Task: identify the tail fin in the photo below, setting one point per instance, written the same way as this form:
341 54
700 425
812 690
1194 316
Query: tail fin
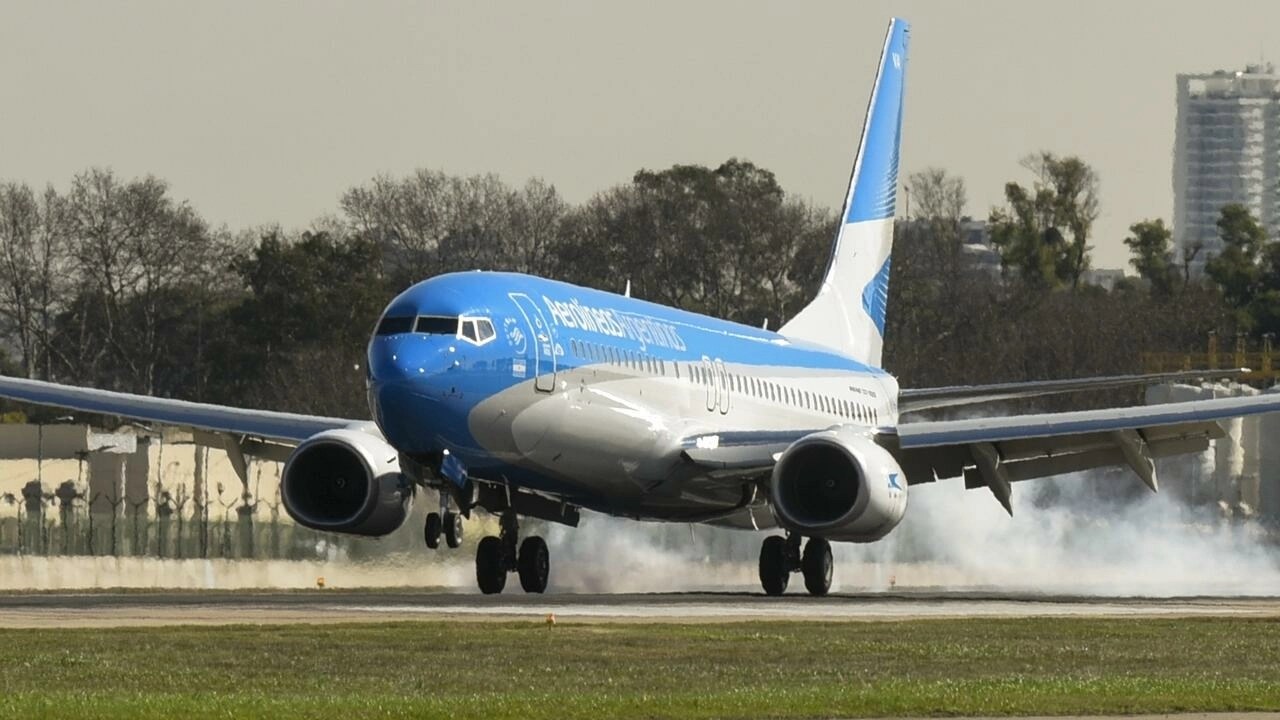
848 313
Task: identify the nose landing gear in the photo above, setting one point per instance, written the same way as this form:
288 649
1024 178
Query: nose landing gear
446 523
781 556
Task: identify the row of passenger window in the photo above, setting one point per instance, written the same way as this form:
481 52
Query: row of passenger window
742 384
592 352
779 393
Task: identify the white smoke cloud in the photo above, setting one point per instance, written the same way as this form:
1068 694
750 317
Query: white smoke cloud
1084 534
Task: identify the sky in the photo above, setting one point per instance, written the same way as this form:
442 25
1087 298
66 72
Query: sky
265 112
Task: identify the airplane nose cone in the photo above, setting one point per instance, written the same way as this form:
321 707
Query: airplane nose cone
405 386
384 359
404 357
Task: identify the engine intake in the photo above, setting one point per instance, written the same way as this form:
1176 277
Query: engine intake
840 485
346 481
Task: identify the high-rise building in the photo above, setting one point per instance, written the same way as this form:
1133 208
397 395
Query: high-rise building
1226 150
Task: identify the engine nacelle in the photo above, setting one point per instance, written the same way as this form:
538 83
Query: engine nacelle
840 485
346 481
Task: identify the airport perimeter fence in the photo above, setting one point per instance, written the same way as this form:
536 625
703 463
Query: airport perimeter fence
63 524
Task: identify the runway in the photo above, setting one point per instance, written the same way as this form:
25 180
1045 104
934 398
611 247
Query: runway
104 609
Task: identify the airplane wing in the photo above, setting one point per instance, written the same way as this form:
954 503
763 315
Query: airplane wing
996 452
288 428
917 399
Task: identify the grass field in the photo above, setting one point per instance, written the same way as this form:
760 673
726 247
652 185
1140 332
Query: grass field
528 670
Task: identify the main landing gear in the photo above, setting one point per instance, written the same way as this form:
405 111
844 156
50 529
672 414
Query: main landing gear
781 556
497 556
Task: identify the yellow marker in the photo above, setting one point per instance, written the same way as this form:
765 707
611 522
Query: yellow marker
320 581
551 619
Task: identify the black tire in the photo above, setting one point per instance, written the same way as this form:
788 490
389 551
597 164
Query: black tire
452 529
774 573
817 566
431 533
534 564
491 574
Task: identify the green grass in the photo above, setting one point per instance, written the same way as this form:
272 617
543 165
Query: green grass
527 670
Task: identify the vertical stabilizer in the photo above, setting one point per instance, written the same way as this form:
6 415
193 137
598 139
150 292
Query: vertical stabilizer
848 313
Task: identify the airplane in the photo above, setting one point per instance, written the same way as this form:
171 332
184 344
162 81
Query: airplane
528 397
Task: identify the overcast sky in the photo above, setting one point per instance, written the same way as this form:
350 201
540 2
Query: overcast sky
266 111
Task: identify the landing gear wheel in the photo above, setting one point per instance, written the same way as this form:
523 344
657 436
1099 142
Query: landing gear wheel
534 564
491 572
774 572
432 531
452 529
817 566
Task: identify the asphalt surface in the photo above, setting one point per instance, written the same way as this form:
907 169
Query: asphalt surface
107 609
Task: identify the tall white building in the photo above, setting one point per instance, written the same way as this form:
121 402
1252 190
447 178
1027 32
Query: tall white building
1226 150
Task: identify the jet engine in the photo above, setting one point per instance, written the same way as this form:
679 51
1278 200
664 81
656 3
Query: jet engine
346 481
840 485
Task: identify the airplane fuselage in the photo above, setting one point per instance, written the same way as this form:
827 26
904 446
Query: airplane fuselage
592 396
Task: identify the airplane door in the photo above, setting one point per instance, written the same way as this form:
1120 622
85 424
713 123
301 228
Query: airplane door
709 379
541 350
722 386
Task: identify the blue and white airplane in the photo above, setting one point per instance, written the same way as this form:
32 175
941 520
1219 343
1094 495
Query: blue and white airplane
528 397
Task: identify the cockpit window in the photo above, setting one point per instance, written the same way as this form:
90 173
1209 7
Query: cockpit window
435 325
476 331
395 325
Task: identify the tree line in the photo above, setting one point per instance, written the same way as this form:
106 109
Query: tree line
113 282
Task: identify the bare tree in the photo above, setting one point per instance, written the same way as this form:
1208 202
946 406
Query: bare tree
429 223
134 247
34 264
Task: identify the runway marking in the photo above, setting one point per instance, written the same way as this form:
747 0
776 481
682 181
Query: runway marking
108 610
809 610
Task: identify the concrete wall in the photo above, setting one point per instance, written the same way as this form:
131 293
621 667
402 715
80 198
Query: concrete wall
91 461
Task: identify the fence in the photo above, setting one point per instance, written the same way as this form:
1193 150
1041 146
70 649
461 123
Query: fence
66 522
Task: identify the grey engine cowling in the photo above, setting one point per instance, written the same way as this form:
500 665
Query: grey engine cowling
840 485
346 481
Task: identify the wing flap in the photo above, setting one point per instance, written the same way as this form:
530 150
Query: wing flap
1179 417
918 399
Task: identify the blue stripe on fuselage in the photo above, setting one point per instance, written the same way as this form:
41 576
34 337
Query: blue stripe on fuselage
488 293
